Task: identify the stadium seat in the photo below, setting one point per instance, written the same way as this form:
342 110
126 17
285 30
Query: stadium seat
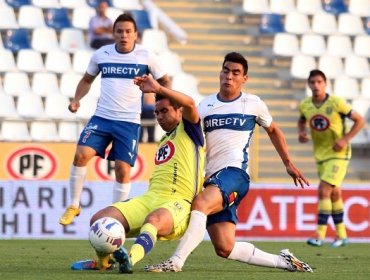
310 7
8 18
7 61
69 131
15 131
285 44
332 66
44 39
127 5
56 107
81 17
271 24
7 109
73 4
313 44
359 7
255 7
365 88
58 61
30 17
350 25
188 84
16 39
361 105
301 66
346 87
45 83
44 131
324 23
69 82
367 25
81 60
46 4
297 23
277 7
112 13
95 3
29 60
72 40
343 41
16 83
57 18
87 107
155 40
362 45
335 7
171 62
17 3
95 87
30 106
356 66
142 19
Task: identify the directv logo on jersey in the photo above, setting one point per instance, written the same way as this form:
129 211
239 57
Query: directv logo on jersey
238 122
122 70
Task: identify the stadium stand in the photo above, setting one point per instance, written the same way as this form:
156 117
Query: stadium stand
335 6
57 18
15 131
276 7
46 4
71 40
44 131
8 19
8 110
16 83
30 17
29 60
44 83
7 61
16 39
271 24
324 23
311 7
44 39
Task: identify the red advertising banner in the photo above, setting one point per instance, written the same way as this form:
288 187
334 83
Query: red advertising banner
288 213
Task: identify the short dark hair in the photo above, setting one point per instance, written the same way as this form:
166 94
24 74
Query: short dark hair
316 72
237 58
125 17
174 104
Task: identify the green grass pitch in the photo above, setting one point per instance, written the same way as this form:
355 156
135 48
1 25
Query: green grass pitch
51 259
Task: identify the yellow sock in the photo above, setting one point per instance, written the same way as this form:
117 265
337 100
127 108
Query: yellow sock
337 214
144 242
325 209
103 260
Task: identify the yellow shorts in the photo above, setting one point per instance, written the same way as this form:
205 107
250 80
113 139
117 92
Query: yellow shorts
333 171
138 208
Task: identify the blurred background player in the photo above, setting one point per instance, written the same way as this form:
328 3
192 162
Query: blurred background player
148 115
100 30
325 115
117 116
163 211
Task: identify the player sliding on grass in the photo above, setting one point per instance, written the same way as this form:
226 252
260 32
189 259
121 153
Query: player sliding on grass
229 118
163 211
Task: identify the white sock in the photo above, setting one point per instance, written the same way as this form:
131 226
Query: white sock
76 183
192 237
121 191
248 253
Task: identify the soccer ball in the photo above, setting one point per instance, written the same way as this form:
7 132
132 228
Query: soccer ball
106 235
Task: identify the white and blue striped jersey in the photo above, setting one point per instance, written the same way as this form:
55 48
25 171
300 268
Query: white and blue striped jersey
228 127
120 99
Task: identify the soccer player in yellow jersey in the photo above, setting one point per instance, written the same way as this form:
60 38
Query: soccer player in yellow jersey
163 212
325 115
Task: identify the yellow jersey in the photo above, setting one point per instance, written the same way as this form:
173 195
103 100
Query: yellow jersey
327 124
179 162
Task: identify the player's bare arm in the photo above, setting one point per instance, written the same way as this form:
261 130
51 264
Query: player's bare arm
302 133
82 89
165 81
278 140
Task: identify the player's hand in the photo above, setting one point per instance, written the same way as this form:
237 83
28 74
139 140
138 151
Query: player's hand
303 137
340 144
73 106
147 84
297 176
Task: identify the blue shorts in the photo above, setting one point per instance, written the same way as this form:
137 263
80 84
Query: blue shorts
99 133
234 185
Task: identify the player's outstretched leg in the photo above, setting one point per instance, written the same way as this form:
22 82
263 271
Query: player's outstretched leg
124 260
294 264
69 214
165 266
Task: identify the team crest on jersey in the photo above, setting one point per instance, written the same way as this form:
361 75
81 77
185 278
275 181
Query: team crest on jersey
329 110
164 153
319 122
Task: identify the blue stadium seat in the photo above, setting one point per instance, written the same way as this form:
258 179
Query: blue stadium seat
57 18
142 19
18 3
335 7
271 24
16 39
95 3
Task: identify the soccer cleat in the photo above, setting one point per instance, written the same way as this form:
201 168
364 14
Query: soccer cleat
315 242
85 265
293 263
124 260
165 266
339 242
69 215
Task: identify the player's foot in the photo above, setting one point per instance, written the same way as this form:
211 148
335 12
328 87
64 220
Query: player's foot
339 242
165 266
315 242
124 260
85 265
293 263
69 215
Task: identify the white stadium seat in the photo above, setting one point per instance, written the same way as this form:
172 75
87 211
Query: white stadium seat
56 107
16 83
72 4
362 45
297 23
15 131
44 39
324 23
7 61
81 60
309 7
332 66
71 40
365 88
255 7
350 24
127 5
44 131
7 109
81 17
45 83
29 60
333 43
356 66
346 87
155 40
277 7
359 7
8 18
313 44
58 61
285 44
69 131
69 82
301 66
30 106
30 17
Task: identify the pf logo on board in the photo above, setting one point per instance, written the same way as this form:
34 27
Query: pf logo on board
31 163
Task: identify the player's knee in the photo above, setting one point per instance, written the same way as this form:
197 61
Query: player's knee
222 252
